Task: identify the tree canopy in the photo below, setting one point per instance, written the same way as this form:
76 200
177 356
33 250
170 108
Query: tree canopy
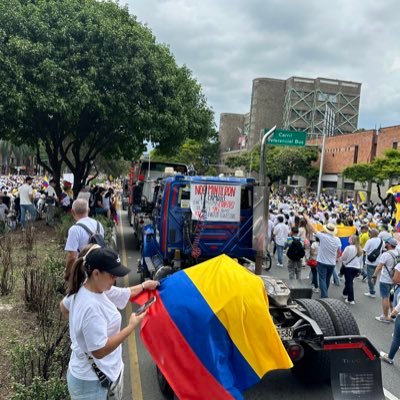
83 78
281 161
201 155
377 171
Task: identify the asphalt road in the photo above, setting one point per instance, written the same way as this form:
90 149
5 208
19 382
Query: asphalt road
140 377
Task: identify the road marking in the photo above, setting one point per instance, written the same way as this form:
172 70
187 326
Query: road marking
389 395
136 384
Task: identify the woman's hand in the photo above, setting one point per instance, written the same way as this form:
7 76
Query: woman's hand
136 320
150 285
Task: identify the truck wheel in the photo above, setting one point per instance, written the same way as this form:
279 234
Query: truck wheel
166 390
314 367
341 316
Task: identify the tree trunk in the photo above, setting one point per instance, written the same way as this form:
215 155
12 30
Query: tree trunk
383 200
369 191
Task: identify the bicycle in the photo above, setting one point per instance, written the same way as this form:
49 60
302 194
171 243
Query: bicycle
267 262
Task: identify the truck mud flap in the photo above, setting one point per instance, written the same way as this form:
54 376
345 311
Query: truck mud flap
355 368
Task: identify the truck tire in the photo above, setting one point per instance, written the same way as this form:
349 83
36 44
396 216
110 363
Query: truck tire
314 367
163 384
341 316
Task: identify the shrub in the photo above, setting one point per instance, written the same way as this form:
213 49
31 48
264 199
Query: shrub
7 270
40 389
66 220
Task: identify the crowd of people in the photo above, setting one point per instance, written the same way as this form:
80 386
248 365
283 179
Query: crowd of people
25 199
370 249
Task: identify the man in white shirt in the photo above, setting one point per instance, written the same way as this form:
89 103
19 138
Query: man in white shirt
26 201
387 262
78 237
372 244
328 254
280 232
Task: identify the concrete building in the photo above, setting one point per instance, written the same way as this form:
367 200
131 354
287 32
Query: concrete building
295 104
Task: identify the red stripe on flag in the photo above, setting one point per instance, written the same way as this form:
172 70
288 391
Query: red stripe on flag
179 364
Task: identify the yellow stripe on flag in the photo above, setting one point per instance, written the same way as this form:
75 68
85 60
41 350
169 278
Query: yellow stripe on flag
239 300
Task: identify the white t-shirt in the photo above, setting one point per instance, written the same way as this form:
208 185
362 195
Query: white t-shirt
370 246
384 235
24 191
388 258
281 232
78 238
350 258
51 193
93 319
328 248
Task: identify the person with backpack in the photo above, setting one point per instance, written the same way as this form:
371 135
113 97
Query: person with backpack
386 267
86 230
295 253
373 249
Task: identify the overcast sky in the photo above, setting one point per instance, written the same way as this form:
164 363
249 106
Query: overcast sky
228 43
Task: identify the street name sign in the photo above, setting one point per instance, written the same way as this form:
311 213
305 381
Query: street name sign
288 138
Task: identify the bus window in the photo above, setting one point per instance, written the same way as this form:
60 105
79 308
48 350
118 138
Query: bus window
246 198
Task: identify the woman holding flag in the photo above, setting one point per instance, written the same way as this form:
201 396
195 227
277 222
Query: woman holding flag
91 306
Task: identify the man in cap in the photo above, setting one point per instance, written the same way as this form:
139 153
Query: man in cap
328 254
387 262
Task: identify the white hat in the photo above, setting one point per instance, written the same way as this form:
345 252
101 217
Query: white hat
331 229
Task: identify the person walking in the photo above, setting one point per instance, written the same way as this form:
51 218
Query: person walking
312 263
364 237
26 201
386 264
394 315
91 307
78 236
295 253
373 249
352 262
328 254
51 201
280 232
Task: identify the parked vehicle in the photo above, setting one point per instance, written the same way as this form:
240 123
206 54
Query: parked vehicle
195 218
323 341
143 184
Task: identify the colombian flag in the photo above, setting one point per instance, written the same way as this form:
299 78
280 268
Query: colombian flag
395 191
45 182
210 331
343 233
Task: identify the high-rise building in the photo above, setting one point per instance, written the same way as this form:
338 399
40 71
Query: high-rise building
296 104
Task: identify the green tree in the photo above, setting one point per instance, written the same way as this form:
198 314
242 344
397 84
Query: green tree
83 78
199 154
281 161
377 171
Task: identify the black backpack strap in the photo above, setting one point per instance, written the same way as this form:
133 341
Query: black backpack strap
85 228
98 227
